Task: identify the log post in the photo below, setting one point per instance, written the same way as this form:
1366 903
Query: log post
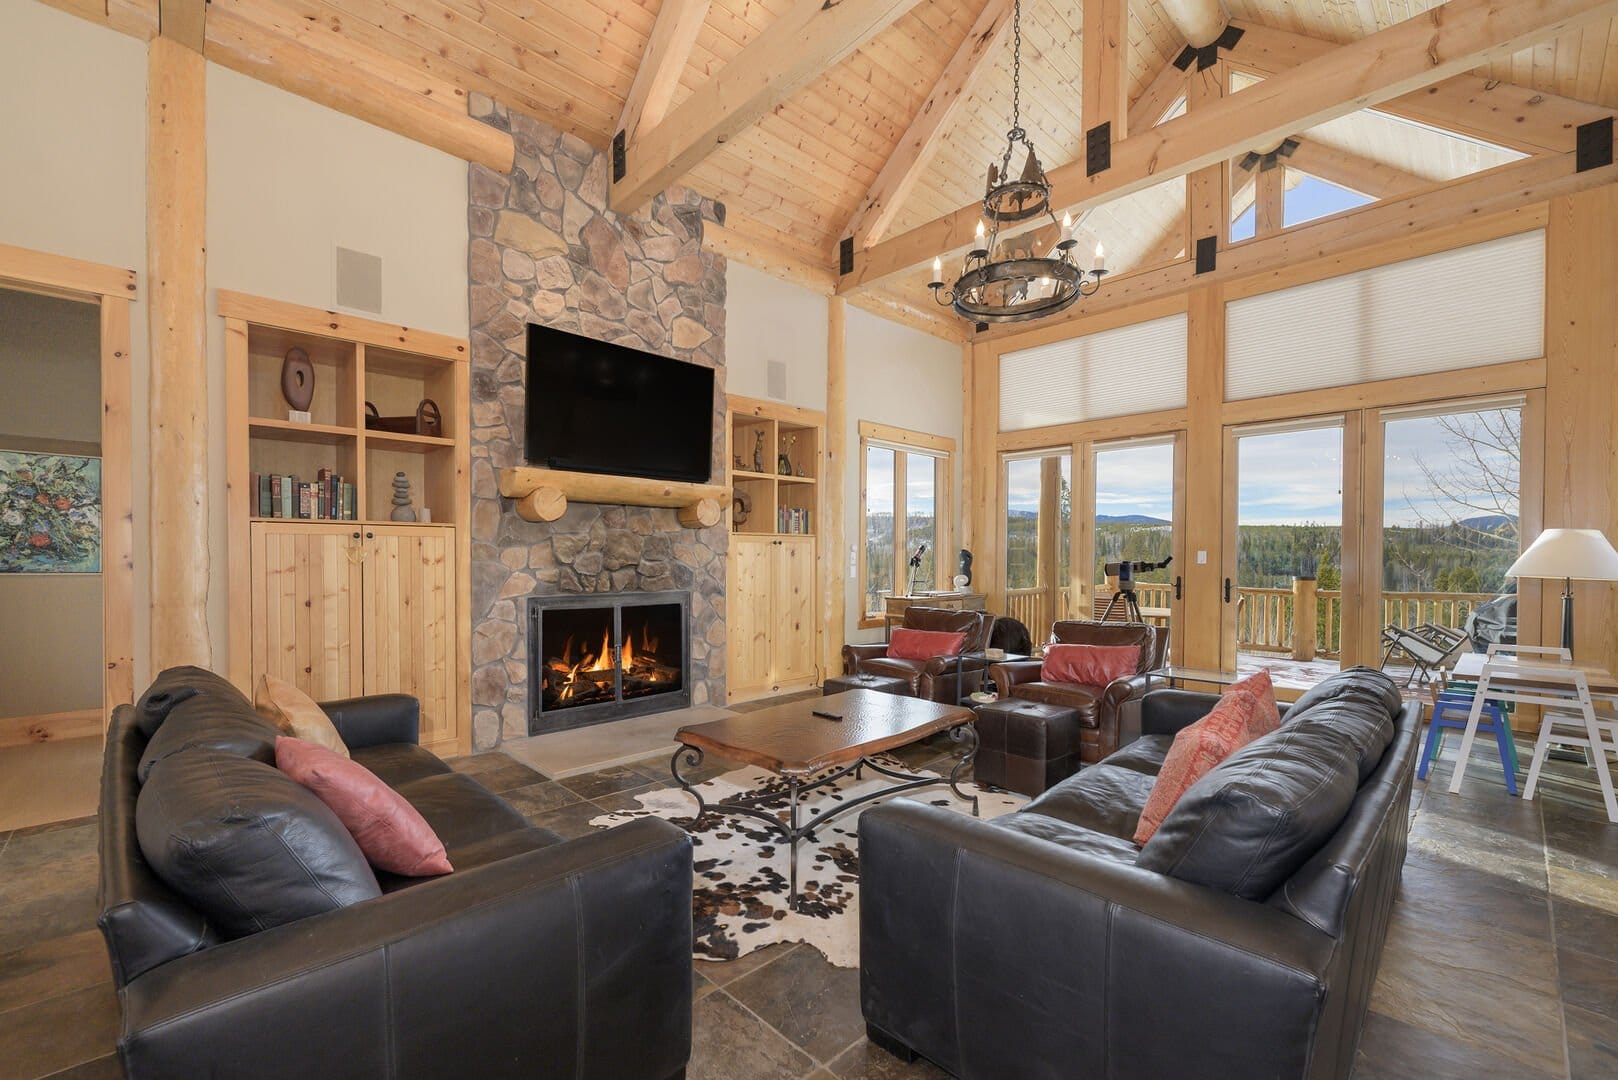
1305 618
176 190
833 558
542 504
702 514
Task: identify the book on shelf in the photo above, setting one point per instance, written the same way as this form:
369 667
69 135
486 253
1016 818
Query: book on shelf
328 497
792 520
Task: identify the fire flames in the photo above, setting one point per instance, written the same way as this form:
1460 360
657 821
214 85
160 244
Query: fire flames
646 666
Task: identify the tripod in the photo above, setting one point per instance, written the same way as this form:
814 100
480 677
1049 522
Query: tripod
1131 605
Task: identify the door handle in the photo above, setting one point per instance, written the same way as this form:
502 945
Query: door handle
1227 590
1177 583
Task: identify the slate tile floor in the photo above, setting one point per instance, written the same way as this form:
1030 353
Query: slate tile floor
1502 955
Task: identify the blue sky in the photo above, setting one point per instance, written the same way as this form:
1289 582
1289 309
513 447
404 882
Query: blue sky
1291 477
1312 198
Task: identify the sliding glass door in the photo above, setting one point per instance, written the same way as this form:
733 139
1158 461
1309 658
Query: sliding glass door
1133 519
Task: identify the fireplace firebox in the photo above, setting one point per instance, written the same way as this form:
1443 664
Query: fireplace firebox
604 656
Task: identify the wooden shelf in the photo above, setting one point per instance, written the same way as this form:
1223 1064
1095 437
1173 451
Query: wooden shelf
364 522
416 444
325 434
795 479
543 494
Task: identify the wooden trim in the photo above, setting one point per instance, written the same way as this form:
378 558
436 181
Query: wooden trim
767 257
938 322
1113 427
84 280
1446 40
834 490
341 76
238 525
775 410
1531 513
50 727
1202 618
1517 117
1356 568
1407 390
916 147
176 195
661 65
898 436
117 508
335 324
807 39
28 444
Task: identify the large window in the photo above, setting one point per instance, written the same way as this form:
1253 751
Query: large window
904 514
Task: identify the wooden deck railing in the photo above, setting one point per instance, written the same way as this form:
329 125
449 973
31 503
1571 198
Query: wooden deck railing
1266 619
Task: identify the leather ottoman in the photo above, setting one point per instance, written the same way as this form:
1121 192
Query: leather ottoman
882 684
1026 746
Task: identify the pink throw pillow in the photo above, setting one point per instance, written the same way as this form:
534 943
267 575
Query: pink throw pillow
1196 750
1267 715
392 833
910 644
1089 665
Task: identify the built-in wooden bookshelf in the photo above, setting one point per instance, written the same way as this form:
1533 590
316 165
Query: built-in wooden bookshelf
363 604
769 431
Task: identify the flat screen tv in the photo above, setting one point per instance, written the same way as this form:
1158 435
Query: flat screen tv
603 408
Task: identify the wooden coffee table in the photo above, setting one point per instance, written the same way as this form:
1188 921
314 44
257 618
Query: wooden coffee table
798 745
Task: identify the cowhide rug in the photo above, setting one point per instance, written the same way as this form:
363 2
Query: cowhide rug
741 883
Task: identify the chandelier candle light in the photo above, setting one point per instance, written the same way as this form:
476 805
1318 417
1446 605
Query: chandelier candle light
1011 284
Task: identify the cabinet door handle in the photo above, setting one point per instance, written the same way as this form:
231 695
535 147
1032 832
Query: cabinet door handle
370 536
1227 590
1177 594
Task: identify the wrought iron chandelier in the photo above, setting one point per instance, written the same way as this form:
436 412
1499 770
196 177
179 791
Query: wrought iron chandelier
1009 283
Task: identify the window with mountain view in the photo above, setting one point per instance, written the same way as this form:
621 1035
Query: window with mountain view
1039 514
903 492
1134 521
1450 527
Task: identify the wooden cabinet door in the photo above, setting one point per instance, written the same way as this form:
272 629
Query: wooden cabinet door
306 614
793 611
409 601
748 613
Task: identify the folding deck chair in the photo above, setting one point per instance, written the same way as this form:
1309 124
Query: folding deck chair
1430 649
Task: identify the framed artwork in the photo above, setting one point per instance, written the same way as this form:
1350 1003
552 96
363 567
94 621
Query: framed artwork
50 513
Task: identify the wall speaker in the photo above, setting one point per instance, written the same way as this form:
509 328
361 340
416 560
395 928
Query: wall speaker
778 379
359 281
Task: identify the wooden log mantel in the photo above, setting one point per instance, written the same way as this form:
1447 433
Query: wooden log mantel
542 494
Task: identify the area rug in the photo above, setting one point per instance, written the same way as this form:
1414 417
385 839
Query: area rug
741 884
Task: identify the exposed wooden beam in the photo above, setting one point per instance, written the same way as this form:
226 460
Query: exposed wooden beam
1200 22
176 199
1516 117
184 22
1104 73
769 256
1207 190
343 75
1501 191
1443 41
661 65
915 148
807 39
924 315
1377 179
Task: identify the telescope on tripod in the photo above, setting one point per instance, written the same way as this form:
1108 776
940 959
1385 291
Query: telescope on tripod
1125 571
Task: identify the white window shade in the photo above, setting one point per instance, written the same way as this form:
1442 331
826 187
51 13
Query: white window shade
1133 369
1470 307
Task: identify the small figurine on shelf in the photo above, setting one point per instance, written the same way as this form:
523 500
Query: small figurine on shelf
401 499
298 384
758 451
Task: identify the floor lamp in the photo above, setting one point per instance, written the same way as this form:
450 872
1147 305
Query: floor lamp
1571 555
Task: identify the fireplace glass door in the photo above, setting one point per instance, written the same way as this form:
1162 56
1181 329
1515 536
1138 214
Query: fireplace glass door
607 656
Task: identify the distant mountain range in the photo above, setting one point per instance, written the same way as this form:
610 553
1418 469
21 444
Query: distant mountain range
1488 522
1129 519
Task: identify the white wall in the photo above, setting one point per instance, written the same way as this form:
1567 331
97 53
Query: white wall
73 183
908 379
288 182
769 319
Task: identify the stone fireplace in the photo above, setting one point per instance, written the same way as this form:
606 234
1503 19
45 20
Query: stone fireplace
604 656
544 248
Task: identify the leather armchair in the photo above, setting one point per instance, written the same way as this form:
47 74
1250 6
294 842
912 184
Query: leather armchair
1105 712
939 678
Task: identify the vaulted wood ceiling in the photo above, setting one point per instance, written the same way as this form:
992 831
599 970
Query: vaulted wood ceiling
798 175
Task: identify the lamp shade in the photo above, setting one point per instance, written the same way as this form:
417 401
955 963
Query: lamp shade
1580 554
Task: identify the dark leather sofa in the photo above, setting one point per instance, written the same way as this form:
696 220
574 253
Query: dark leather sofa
537 956
1045 943
941 678
1101 709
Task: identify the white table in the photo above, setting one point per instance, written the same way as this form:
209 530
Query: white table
1545 677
